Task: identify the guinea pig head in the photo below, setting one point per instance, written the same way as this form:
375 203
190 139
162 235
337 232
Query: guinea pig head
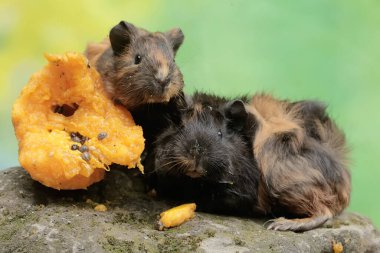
144 65
206 145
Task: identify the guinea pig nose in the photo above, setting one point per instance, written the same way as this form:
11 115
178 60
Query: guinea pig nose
163 81
162 75
196 149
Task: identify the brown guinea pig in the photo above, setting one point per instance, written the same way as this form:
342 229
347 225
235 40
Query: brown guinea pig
302 156
139 71
137 66
205 159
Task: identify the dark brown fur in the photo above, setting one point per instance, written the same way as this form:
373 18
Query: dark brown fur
302 156
150 88
156 79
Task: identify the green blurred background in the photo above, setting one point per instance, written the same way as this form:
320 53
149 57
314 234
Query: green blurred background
326 50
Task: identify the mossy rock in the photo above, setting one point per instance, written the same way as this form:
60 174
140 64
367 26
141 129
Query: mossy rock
34 218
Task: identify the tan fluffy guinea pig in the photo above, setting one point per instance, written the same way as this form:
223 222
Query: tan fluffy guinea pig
302 156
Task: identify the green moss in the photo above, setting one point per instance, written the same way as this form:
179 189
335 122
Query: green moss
355 220
142 248
154 237
336 223
210 233
179 244
129 218
94 223
114 245
12 225
239 242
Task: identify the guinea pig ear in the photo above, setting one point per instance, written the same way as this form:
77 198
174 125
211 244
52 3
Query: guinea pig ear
236 114
175 37
121 36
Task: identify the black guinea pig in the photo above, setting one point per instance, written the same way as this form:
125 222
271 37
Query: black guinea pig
139 71
205 160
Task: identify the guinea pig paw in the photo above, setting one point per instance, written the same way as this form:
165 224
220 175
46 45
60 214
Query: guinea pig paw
282 224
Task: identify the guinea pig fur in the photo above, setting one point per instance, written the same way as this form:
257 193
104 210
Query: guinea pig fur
302 157
139 71
137 66
205 160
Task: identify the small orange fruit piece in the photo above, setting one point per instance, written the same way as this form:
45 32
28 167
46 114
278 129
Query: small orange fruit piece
337 247
100 208
176 216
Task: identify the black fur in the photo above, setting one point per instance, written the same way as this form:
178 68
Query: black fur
154 118
203 160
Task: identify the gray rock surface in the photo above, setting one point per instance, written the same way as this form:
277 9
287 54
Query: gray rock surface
34 218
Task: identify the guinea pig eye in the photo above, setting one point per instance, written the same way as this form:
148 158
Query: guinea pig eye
220 134
138 59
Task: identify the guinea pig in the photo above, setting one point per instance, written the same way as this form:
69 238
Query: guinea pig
205 160
302 157
139 71
138 66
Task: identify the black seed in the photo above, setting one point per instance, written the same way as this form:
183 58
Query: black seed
72 135
102 135
86 156
83 140
76 139
74 147
83 148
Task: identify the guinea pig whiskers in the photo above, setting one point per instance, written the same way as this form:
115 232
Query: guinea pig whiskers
177 162
172 163
184 165
226 182
132 91
180 169
134 88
